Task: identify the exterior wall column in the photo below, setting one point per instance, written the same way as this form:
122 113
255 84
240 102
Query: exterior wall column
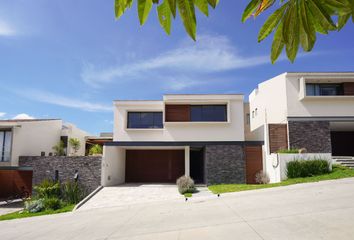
187 161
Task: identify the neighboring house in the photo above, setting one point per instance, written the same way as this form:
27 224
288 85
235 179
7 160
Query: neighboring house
306 110
100 140
34 137
202 136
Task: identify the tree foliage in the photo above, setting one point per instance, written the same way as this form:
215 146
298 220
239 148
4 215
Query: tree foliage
75 144
295 23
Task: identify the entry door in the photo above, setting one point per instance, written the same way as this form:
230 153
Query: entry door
254 162
5 145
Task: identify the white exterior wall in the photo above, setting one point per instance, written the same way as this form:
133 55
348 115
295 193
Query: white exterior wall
74 132
32 137
270 101
233 130
113 166
276 163
300 106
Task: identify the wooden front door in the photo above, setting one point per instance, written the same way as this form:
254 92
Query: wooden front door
254 162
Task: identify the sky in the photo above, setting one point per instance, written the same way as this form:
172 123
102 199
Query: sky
70 59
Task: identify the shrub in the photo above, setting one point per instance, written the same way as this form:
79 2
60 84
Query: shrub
75 144
52 203
34 206
262 177
48 189
292 150
59 149
72 193
302 168
185 185
95 149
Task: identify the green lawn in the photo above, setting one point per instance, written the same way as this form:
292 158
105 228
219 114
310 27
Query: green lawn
188 195
337 173
15 215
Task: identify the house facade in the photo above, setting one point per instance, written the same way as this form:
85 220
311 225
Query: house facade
314 111
35 137
202 136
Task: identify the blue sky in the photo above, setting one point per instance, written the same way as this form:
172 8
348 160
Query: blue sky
69 59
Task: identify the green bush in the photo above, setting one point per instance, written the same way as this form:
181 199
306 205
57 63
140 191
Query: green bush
52 203
72 193
292 150
185 185
34 206
96 149
48 189
302 168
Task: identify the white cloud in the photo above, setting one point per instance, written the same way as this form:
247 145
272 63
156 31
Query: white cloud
23 116
210 54
2 114
47 97
6 29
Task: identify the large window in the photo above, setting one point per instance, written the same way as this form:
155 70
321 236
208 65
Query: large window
208 113
324 89
145 120
5 145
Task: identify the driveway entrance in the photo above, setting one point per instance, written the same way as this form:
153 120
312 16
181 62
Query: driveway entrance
132 194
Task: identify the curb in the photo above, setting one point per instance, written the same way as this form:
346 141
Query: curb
83 201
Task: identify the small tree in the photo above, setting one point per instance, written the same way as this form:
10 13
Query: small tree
96 149
75 144
59 149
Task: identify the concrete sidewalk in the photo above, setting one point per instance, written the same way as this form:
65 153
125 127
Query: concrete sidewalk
306 211
14 206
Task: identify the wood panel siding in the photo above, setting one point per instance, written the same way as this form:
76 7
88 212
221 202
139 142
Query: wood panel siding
15 183
154 165
278 137
348 88
254 162
177 113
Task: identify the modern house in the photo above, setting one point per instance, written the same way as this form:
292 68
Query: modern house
202 136
314 111
35 137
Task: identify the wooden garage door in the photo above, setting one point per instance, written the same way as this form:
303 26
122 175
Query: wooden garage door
254 162
154 165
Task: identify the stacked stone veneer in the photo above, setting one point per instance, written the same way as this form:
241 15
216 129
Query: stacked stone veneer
225 164
89 169
315 136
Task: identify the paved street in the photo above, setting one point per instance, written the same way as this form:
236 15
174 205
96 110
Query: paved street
307 211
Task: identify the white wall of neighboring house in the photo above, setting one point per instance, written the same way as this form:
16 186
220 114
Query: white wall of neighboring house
71 131
233 130
30 138
113 166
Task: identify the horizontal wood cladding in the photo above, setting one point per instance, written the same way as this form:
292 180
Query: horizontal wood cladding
177 113
278 137
348 88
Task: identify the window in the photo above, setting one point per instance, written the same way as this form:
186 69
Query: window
248 119
324 89
208 113
145 120
5 145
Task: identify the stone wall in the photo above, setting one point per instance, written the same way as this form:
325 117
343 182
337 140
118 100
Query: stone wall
315 136
89 169
224 164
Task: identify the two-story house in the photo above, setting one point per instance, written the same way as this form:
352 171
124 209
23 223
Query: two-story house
202 136
314 111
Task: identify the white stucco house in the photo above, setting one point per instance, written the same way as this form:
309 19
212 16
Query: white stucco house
35 137
202 136
313 110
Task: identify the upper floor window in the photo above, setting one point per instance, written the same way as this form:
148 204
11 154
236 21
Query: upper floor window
248 119
321 89
5 145
145 120
208 113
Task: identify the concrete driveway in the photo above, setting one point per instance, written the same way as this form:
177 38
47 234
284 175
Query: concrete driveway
131 194
308 211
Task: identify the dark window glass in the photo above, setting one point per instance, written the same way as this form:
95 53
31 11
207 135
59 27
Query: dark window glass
208 113
5 146
324 89
145 120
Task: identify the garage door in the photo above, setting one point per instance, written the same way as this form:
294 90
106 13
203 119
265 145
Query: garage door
254 162
154 165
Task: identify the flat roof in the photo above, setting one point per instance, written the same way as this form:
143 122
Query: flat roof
29 120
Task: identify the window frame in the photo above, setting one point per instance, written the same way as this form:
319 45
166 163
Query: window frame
318 88
225 117
154 126
3 145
